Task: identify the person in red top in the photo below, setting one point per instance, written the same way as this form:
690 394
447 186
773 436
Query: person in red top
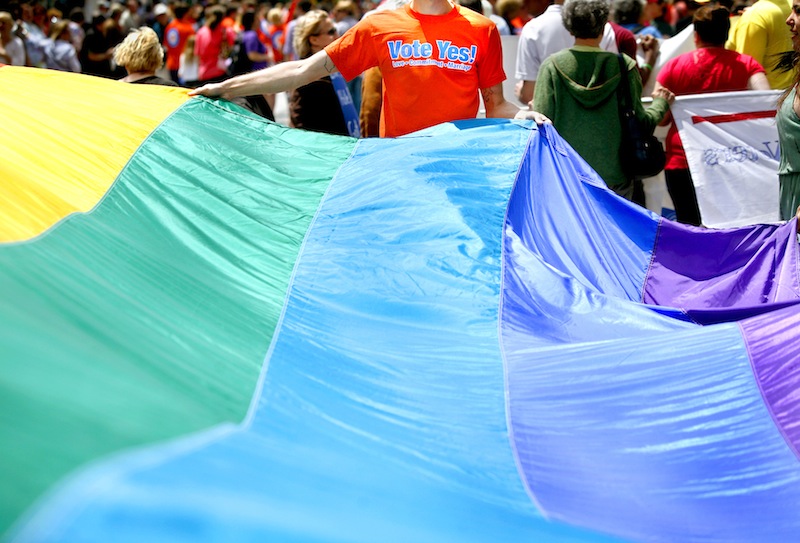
213 44
434 57
709 68
175 35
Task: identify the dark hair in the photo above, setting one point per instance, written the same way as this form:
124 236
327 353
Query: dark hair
214 16
180 10
585 19
14 9
627 12
248 18
712 24
474 5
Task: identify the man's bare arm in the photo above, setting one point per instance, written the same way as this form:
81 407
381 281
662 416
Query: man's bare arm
758 82
498 106
279 78
524 91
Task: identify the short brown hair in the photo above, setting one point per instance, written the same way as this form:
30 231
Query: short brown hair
712 24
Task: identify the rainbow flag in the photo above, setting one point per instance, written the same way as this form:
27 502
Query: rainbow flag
215 328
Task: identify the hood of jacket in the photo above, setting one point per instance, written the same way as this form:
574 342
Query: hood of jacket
591 77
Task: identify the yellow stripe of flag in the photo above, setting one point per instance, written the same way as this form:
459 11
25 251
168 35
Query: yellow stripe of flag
63 158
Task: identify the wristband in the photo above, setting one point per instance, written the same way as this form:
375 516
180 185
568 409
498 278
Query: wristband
647 66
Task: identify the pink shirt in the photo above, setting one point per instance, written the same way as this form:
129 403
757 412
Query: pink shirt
208 47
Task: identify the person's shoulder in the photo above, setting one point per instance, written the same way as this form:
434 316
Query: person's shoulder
675 65
386 5
682 58
383 18
564 53
528 27
608 61
550 64
771 6
752 64
621 32
155 80
531 28
550 15
559 57
730 54
758 13
475 18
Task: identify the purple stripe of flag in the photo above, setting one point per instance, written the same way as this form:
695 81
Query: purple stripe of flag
774 348
723 270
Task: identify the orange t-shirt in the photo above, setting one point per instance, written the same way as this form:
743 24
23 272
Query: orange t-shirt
432 65
175 36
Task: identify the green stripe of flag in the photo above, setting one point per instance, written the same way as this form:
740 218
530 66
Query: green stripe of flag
150 317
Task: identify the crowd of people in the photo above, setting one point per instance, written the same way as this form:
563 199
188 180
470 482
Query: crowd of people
388 68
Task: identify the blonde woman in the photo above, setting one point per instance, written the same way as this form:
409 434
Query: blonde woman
324 105
141 55
189 65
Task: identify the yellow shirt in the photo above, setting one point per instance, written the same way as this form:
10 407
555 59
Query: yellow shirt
761 32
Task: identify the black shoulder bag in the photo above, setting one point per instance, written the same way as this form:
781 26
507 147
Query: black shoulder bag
641 154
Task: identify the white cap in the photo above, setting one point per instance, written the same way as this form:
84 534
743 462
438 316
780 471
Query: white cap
160 9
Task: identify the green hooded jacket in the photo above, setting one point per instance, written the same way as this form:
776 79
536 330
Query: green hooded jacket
577 89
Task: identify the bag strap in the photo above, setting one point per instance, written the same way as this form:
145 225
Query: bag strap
623 89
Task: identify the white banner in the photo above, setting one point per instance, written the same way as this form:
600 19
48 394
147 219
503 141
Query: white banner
731 143
683 42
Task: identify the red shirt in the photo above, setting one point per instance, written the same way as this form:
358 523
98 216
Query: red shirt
432 65
626 41
710 69
208 46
